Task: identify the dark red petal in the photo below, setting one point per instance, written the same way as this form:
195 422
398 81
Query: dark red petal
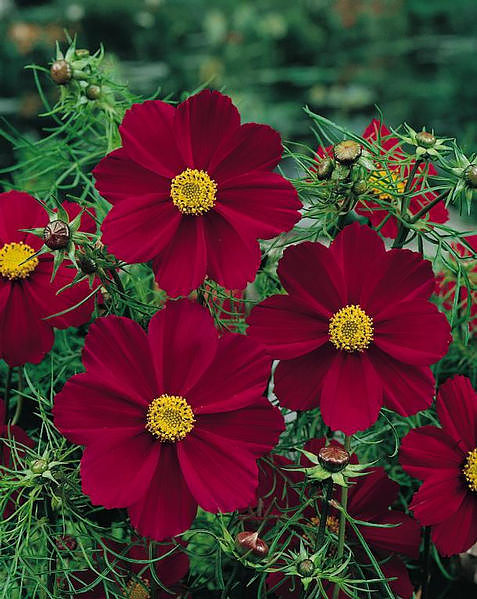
251 147
25 337
375 214
396 568
257 426
439 497
118 474
352 393
87 222
402 537
86 410
298 382
221 474
407 389
457 411
459 532
182 265
236 378
149 139
401 275
287 328
260 204
428 450
310 272
169 569
232 258
18 210
165 509
371 495
140 228
120 178
203 123
286 587
413 332
117 352
358 250
376 131
183 343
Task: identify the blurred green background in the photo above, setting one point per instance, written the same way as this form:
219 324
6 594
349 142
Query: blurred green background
415 59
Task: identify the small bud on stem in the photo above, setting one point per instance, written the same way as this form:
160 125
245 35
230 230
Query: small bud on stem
324 169
471 175
61 72
56 235
347 151
93 92
425 139
333 458
248 541
306 567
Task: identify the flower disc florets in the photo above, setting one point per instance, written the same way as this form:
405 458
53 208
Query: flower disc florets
169 418
351 329
12 260
193 191
138 589
470 470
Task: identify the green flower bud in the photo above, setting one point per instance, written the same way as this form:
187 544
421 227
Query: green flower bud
93 92
347 151
39 466
425 139
306 567
471 175
324 169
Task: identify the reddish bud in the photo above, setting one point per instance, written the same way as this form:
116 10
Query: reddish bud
66 543
61 72
425 139
333 458
248 541
347 151
56 235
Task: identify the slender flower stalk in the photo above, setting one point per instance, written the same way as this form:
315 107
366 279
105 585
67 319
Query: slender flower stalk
342 529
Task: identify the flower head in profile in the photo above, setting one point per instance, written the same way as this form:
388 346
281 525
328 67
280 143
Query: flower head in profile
170 419
445 459
370 500
389 179
131 571
193 190
355 331
27 294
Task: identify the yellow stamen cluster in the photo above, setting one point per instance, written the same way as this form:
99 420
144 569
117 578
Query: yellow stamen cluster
470 470
138 589
193 191
351 329
332 523
386 184
169 418
11 257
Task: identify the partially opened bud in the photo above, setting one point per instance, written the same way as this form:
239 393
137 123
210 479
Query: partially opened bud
333 458
56 235
324 169
248 541
471 175
425 139
61 72
347 151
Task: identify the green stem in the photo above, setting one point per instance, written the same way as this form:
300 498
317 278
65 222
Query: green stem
429 206
328 492
6 395
403 230
120 286
427 561
18 410
342 530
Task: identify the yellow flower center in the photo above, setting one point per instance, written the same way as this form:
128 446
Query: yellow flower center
470 470
351 329
386 184
193 191
138 590
332 523
11 257
169 418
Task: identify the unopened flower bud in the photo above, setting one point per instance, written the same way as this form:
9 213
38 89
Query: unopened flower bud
471 175
81 53
93 92
66 543
425 139
324 169
56 235
39 466
306 567
333 458
250 542
360 187
347 151
61 72
86 264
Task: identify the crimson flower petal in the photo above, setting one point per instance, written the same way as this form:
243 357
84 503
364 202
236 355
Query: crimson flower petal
459 532
403 536
438 498
18 210
457 411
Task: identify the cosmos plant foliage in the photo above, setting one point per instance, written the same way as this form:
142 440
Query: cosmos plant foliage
231 366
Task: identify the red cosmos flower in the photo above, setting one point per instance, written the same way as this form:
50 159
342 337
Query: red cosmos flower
192 190
369 500
170 419
134 579
395 180
446 460
27 295
355 331
446 283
